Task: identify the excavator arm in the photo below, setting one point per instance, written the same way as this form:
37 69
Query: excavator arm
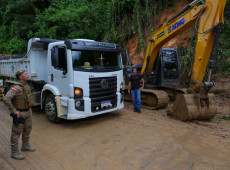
210 24
207 17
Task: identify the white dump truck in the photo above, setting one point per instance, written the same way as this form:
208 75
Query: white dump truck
70 79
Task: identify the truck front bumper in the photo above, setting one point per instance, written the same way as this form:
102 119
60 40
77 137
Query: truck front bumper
75 114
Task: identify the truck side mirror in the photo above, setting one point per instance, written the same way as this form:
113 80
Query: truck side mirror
64 65
124 59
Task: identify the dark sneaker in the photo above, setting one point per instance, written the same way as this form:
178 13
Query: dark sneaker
28 148
135 110
139 111
17 155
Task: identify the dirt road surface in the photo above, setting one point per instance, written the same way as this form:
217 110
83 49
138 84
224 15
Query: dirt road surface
122 140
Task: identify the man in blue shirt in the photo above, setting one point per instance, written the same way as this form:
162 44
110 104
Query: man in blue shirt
135 87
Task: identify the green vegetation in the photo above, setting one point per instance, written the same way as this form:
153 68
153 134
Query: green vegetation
225 117
223 57
187 60
102 20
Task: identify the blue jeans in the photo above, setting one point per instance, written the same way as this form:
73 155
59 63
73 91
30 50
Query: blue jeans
136 98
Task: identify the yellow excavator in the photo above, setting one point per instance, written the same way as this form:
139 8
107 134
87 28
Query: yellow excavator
207 17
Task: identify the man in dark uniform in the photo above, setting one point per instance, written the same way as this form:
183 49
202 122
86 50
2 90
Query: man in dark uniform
19 101
134 86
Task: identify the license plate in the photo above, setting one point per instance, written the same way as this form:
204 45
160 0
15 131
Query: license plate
105 104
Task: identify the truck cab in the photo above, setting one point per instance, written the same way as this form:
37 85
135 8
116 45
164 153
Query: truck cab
85 77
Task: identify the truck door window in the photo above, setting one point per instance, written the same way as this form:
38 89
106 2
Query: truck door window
59 59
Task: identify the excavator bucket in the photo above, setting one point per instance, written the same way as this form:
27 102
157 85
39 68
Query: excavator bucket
193 107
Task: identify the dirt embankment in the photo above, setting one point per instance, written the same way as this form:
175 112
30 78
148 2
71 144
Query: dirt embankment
137 55
7 55
222 84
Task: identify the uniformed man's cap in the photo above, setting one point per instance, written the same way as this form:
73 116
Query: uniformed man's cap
19 72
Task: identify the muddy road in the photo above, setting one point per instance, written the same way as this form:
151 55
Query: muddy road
122 140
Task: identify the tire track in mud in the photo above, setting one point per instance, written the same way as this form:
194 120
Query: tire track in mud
120 140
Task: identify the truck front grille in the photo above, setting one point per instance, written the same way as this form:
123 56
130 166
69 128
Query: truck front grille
103 89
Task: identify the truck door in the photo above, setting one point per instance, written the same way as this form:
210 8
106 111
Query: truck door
58 74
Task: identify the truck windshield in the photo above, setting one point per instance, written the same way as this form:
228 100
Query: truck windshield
98 61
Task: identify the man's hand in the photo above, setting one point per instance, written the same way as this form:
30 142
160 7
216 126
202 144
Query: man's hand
128 91
141 88
17 113
30 111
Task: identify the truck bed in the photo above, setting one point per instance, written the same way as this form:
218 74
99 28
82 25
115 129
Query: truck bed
9 65
34 61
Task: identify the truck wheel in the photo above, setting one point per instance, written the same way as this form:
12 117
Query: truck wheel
51 109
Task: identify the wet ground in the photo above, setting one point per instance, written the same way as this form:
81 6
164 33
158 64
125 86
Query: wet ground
123 140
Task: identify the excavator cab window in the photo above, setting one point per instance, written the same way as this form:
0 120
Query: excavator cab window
169 67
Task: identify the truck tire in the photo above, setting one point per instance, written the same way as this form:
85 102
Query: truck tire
51 109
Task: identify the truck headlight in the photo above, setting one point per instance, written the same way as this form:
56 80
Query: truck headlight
78 103
78 92
121 86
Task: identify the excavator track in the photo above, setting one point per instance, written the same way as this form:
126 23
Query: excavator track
151 99
173 91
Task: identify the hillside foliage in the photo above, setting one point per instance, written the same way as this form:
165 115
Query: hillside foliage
102 20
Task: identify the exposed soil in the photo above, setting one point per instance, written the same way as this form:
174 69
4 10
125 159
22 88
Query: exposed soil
137 54
124 140
7 55
127 140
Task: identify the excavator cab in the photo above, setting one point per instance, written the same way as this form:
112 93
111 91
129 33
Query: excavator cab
168 74
165 73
